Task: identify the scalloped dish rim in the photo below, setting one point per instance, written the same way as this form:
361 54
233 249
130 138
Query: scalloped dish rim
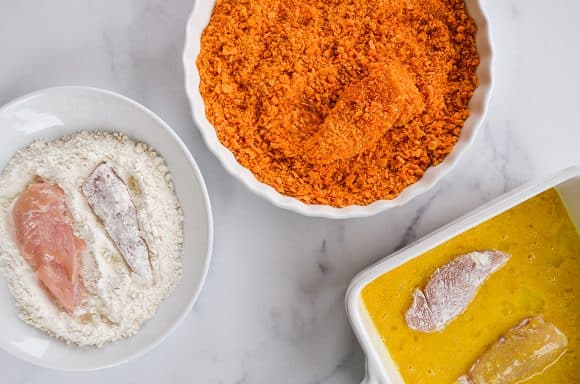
198 20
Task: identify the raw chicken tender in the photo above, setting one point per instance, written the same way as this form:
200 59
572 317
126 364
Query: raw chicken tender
525 351
450 290
109 198
44 236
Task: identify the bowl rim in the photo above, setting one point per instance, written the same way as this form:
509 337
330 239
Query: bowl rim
485 74
208 211
376 372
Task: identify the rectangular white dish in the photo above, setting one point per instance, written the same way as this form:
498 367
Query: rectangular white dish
380 367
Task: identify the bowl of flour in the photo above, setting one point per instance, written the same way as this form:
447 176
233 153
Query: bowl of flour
60 135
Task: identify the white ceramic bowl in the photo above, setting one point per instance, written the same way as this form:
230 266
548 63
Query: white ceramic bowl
54 112
380 367
199 19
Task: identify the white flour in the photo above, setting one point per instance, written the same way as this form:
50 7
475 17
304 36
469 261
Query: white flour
116 300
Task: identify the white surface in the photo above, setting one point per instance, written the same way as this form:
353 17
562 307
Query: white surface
55 112
380 366
272 310
198 20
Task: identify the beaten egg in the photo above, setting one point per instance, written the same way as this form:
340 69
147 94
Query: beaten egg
542 277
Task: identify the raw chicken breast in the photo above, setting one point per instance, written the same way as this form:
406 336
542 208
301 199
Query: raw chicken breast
450 290
525 351
109 198
44 236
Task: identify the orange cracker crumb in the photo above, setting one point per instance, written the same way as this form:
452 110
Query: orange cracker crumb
338 102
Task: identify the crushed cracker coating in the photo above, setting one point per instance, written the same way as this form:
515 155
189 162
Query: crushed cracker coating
338 102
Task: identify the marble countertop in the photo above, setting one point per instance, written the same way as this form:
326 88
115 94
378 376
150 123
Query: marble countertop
272 309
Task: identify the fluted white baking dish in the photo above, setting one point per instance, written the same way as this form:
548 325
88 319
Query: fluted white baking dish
380 368
199 19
